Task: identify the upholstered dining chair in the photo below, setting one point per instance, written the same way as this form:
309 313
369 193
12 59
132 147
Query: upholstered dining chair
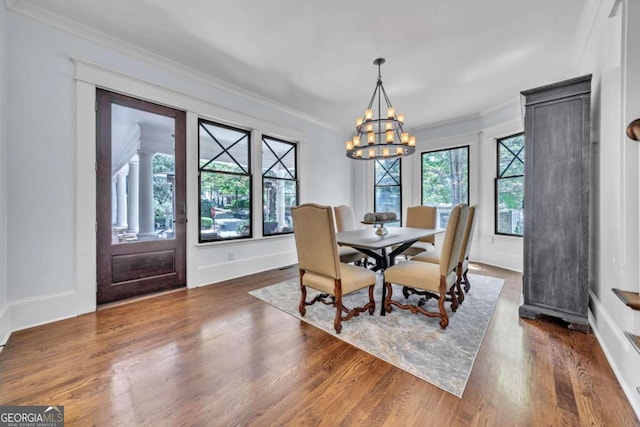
466 244
345 221
320 266
421 217
463 261
438 280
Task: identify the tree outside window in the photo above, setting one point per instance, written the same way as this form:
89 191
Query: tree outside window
224 181
445 180
510 186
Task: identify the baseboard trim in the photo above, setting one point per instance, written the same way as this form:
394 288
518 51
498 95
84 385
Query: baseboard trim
220 272
597 311
5 331
30 312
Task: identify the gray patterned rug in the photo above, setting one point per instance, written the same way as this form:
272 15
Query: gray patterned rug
412 342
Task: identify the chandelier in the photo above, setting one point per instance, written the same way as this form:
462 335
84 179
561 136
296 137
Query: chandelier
382 137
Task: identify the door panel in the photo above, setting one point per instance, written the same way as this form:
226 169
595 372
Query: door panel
141 215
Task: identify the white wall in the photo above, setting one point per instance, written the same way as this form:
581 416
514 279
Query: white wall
609 48
4 314
50 165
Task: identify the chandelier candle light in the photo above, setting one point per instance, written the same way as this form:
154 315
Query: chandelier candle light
382 137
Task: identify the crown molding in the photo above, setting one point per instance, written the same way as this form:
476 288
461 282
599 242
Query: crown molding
39 14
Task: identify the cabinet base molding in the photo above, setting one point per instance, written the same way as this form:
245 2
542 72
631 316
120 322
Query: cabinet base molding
575 322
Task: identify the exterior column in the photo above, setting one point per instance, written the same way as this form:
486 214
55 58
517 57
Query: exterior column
121 197
147 217
132 199
114 205
280 203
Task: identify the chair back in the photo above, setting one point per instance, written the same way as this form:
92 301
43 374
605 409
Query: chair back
468 233
345 218
422 217
315 236
452 245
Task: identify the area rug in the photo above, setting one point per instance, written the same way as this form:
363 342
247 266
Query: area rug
411 342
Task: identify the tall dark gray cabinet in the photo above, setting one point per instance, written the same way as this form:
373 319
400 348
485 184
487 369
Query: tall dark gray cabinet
557 186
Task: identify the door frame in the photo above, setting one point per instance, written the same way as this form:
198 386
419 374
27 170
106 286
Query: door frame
143 253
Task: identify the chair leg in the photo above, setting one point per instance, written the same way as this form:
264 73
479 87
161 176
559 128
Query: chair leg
303 296
453 297
371 300
387 299
458 282
444 318
337 322
467 285
459 290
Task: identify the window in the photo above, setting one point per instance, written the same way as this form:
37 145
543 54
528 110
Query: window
510 186
445 180
388 188
224 178
279 185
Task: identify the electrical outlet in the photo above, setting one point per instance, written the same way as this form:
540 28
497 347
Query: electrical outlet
232 256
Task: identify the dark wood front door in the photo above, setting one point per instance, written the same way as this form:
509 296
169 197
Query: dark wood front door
140 195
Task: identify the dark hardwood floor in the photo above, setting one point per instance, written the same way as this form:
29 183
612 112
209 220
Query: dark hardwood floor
216 356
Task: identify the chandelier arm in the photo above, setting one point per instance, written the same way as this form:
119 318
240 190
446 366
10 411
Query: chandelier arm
373 97
379 85
386 98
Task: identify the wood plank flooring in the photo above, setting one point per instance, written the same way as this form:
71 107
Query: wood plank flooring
216 356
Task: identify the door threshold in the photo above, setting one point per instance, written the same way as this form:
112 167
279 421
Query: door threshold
138 298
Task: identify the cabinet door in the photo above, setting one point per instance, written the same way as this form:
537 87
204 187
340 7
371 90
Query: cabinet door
557 205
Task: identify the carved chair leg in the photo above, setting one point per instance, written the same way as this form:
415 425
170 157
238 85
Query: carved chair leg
454 298
387 299
372 301
337 322
405 291
444 318
467 285
303 296
459 292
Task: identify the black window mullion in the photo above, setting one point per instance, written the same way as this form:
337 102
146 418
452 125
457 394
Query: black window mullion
278 160
504 177
515 156
244 179
292 178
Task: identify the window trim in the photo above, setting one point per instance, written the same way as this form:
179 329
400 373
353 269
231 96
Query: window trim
496 182
249 174
468 148
399 185
295 147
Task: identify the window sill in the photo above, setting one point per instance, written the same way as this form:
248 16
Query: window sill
236 242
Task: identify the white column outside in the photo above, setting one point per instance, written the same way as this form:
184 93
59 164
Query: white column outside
280 203
114 205
147 226
121 197
132 196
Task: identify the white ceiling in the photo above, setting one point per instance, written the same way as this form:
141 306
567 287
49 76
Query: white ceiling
445 59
